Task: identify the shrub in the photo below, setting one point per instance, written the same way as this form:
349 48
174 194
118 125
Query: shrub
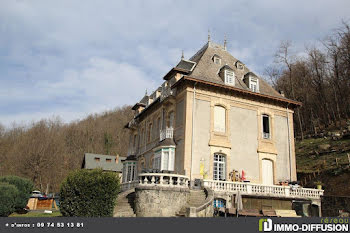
89 193
8 195
24 187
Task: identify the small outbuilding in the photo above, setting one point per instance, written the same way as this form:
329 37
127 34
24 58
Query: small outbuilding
111 163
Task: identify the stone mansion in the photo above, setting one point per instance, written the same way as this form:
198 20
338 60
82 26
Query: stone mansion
212 131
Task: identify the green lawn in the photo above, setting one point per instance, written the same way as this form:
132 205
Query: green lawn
37 214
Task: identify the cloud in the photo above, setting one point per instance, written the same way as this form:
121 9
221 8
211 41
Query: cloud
71 58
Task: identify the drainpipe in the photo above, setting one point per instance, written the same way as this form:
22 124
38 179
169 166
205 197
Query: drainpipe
289 147
193 106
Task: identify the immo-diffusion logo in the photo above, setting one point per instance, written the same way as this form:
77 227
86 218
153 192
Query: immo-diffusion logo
265 224
335 225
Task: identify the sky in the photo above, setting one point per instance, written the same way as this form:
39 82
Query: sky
72 58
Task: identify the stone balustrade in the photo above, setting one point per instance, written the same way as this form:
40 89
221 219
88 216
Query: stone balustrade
263 190
157 179
163 179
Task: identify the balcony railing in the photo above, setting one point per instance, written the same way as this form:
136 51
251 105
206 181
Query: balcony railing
263 190
166 133
157 179
163 179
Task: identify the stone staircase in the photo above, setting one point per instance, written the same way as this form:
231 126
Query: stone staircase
125 204
196 199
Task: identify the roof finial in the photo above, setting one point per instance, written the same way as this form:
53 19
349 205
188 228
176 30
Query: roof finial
208 35
146 92
225 42
182 55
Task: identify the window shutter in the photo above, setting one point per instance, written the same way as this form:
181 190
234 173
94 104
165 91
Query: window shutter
219 119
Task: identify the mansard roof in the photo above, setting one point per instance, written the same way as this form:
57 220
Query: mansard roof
207 70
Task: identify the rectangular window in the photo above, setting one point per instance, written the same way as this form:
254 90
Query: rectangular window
97 159
219 167
171 160
266 126
254 85
219 119
108 160
165 160
229 77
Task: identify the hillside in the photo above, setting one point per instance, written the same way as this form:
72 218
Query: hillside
47 150
325 159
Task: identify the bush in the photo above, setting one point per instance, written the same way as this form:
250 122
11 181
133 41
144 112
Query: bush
24 187
89 193
8 195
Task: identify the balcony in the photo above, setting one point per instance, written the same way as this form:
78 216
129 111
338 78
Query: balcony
166 133
157 179
263 190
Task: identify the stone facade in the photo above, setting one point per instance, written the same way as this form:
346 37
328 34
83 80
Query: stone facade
182 110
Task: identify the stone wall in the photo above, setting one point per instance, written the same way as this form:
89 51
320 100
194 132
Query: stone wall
160 201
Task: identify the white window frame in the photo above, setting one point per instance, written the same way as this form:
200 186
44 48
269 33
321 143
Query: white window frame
254 84
164 159
219 166
217 60
229 77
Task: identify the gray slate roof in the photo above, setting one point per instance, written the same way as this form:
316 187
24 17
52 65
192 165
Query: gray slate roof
91 163
207 70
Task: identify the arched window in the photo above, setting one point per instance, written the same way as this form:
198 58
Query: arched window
219 168
219 119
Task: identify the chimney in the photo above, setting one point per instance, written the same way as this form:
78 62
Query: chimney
282 93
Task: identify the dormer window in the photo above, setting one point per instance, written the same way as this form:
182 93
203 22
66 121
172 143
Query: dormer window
253 84
217 59
229 77
239 65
